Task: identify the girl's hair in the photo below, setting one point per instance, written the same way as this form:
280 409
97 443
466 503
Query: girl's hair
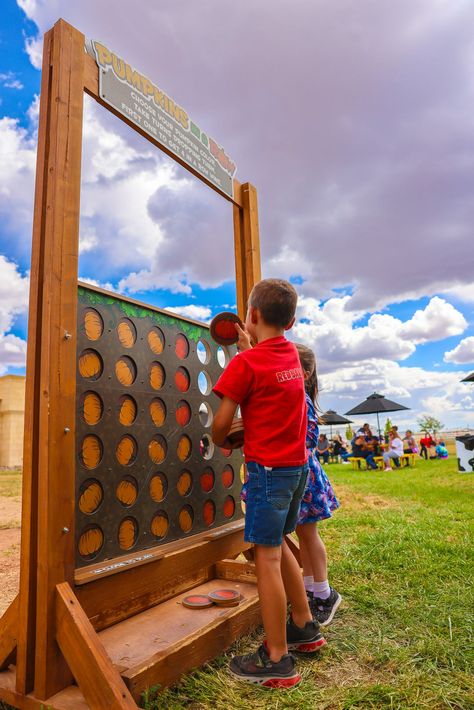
308 363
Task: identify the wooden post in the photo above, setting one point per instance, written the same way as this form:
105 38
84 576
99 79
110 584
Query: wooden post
49 435
247 246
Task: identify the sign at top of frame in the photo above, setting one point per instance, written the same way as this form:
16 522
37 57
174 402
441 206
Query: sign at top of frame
144 104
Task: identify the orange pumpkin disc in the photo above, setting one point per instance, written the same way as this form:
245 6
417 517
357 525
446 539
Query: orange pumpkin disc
127 333
93 324
158 487
209 512
125 371
181 346
126 451
156 341
157 376
185 483
92 408
207 480
184 448
185 518
157 449
91 451
183 413
223 329
229 507
127 491
181 379
128 532
157 412
127 410
159 525
227 476
90 542
90 365
91 496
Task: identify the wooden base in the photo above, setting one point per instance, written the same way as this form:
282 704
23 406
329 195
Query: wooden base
153 648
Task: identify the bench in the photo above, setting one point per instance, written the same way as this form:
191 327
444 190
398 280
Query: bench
405 459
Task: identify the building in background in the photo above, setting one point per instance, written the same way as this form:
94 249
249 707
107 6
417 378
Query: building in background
12 415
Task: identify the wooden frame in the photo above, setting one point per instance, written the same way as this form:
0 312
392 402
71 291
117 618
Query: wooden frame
57 628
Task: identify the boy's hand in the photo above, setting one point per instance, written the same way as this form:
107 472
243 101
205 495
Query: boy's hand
243 343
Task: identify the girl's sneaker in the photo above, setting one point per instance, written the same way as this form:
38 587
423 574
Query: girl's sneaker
323 610
304 640
258 668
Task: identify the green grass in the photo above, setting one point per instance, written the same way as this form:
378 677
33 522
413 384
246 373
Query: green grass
10 483
401 554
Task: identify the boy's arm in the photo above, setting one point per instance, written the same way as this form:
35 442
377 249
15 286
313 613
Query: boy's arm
223 421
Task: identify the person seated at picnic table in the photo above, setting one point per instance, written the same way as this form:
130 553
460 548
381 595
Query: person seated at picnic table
373 445
409 443
441 450
395 450
322 448
339 448
426 442
361 450
365 432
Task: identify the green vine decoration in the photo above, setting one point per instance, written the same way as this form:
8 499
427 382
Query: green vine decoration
191 330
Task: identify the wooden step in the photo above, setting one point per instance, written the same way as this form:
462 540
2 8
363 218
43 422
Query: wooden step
157 646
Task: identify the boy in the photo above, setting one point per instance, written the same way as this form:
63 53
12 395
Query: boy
267 382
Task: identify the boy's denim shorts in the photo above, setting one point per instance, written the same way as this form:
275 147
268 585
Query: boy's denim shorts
272 502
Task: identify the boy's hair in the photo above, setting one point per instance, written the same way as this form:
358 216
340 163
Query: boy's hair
276 300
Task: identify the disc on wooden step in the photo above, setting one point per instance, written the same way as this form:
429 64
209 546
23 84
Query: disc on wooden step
197 601
225 597
223 328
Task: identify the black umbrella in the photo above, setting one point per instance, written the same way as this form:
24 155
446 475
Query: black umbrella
376 404
469 378
331 417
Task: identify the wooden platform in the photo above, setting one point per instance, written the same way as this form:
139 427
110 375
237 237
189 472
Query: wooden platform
157 646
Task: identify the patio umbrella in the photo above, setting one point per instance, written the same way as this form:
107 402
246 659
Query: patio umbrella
331 417
376 404
469 378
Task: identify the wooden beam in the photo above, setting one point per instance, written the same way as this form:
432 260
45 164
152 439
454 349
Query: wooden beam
93 670
51 441
109 600
246 247
9 624
236 571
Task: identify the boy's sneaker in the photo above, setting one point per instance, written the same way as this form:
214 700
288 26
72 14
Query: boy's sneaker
323 610
258 668
304 640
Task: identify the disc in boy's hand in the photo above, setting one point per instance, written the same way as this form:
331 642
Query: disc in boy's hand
223 328
197 601
236 432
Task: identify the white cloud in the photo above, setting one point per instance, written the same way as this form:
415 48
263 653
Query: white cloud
202 313
464 293
437 321
13 302
463 353
9 81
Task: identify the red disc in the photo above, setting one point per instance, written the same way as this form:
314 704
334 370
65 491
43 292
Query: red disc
223 328
224 595
197 601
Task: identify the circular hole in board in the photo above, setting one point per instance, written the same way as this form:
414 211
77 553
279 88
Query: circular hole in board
90 365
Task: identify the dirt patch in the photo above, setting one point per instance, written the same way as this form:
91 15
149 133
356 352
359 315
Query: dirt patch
353 500
10 513
9 566
348 674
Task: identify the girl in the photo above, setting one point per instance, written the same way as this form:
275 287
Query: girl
318 502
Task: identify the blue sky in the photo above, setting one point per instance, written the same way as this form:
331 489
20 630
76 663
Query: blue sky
365 196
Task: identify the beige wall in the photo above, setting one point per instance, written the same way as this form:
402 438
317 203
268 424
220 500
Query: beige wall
12 414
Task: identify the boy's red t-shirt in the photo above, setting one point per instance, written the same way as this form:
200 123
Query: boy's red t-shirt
267 381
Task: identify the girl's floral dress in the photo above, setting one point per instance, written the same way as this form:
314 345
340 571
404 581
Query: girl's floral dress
319 499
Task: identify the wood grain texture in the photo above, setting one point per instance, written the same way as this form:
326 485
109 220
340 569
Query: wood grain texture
98 679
